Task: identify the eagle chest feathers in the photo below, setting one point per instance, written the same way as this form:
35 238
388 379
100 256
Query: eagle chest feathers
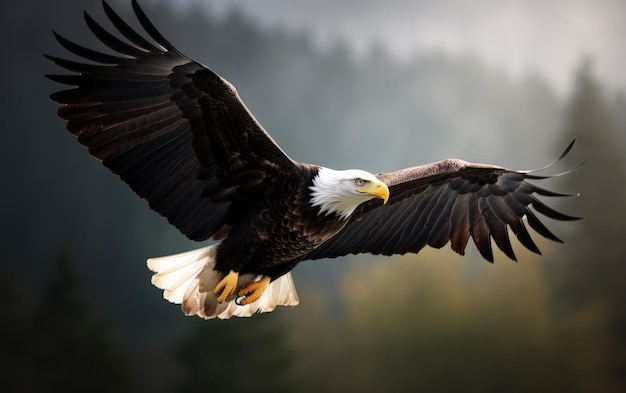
291 224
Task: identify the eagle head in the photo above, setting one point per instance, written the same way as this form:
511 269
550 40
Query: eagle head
341 192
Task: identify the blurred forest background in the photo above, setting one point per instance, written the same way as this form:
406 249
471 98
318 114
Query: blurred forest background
77 307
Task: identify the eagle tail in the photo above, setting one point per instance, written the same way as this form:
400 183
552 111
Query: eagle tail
189 279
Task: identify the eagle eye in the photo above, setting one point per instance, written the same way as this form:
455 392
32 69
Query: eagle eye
359 182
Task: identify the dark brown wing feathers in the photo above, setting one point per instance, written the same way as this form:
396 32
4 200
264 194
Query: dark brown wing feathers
448 201
180 136
176 132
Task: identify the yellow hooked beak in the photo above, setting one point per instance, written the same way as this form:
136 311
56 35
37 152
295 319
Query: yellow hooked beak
377 189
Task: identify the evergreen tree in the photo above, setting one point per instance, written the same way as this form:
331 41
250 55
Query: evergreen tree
75 350
590 278
16 335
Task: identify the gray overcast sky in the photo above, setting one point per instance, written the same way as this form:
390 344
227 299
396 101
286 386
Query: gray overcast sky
547 37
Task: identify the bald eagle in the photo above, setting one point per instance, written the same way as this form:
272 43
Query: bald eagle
179 135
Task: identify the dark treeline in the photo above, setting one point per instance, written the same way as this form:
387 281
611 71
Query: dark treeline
71 319
588 281
55 340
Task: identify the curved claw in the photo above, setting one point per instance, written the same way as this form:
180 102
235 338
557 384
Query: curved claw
227 286
253 291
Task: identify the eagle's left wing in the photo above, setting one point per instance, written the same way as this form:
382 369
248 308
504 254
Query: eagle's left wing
447 201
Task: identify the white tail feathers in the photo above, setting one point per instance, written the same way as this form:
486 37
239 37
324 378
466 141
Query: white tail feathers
189 279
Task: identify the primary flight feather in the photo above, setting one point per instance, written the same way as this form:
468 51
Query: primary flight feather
179 135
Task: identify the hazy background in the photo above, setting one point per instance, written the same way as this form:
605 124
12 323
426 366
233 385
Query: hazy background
373 85
515 36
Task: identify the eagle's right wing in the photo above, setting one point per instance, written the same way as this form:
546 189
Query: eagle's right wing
172 129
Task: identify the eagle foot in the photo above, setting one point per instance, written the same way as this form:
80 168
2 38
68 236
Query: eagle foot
227 286
253 291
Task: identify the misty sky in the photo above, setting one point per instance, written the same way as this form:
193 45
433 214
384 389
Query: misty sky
548 37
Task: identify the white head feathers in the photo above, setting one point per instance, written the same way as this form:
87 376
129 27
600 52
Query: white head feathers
341 192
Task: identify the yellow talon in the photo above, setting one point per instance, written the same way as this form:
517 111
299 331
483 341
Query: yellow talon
253 291
227 286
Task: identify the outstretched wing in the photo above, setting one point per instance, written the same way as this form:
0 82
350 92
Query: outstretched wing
447 201
172 129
